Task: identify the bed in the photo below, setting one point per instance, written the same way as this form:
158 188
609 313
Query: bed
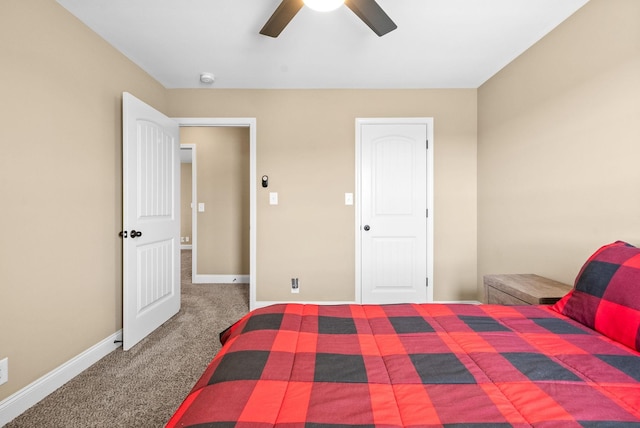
575 363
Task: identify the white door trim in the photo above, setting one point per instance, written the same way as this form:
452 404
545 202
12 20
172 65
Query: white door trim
428 121
246 122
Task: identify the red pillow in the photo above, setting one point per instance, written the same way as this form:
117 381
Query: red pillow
606 294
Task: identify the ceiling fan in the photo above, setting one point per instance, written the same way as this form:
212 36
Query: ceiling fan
368 11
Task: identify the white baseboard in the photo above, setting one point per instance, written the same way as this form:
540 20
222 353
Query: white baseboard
220 279
16 404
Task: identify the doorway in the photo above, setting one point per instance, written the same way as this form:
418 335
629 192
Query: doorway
248 125
220 210
394 210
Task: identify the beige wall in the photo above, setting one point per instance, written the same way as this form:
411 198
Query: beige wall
558 146
185 202
306 145
60 186
222 167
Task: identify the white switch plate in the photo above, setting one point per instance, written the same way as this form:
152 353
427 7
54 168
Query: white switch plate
348 198
201 207
4 370
273 198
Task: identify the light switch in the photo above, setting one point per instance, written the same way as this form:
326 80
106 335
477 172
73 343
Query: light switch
201 207
348 198
273 198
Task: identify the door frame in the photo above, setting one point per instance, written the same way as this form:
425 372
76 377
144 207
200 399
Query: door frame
428 122
238 122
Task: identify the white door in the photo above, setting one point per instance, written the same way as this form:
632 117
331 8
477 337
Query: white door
393 208
151 244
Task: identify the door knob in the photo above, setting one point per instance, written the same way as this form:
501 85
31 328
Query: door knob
366 227
135 233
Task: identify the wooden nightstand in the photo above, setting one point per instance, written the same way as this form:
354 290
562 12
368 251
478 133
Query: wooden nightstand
523 289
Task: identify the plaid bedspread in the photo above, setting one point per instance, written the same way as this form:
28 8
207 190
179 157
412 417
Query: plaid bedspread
414 366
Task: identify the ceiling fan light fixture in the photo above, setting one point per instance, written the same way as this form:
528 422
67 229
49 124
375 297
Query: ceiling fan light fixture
323 5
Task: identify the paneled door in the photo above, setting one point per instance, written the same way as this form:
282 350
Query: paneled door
151 243
393 212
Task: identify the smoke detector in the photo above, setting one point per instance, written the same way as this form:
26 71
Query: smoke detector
207 78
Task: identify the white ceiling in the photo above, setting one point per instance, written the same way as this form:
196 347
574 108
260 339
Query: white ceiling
438 43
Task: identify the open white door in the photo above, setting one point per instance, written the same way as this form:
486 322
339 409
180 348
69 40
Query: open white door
151 220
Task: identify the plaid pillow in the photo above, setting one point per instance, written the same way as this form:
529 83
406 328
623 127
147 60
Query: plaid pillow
606 294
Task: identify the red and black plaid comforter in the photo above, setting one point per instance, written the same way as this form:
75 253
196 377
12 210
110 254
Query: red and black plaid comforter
414 366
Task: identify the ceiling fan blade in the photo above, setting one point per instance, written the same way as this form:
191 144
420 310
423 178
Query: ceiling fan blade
372 14
281 17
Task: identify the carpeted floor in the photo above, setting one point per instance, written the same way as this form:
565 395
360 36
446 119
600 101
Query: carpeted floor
143 386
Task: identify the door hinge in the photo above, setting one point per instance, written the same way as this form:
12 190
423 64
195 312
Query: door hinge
427 144
427 212
427 282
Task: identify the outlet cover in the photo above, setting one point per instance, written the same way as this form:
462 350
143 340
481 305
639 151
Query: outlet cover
4 370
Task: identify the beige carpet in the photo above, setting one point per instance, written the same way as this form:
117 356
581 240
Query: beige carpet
143 386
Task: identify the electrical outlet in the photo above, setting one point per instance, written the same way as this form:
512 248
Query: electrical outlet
295 288
4 370
186 238
182 239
